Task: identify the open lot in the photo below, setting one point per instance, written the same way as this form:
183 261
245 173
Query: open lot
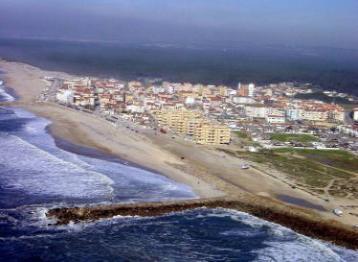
302 138
327 172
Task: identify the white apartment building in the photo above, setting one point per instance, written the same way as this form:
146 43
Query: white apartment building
255 111
315 115
251 90
243 100
355 114
65 96
275 119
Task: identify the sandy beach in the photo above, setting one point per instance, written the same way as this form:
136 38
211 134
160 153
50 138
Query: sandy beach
211 173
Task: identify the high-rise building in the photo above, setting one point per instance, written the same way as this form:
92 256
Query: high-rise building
243 90
251 90
246 90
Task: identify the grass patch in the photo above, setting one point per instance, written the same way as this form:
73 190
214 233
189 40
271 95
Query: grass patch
302 170
314 169
335 158
243 135
302 138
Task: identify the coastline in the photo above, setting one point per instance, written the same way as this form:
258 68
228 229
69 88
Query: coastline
95 152
92 132
208 177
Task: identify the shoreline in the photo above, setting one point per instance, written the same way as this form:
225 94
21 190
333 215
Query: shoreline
93 152
209 173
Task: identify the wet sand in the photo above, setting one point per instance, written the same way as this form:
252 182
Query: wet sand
300 202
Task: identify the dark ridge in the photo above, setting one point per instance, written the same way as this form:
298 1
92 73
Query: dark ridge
298 219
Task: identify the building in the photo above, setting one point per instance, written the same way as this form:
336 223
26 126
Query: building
275 119
243 90
212 134
336 116
321 112
355 114
293 114
223 91
255 111
349 130
192 123
65 96
243 100
135 108
251 90
313 115
179 119
190 100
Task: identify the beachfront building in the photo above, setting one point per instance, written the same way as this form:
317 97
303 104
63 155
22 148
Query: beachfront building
179 120
212 134
192 123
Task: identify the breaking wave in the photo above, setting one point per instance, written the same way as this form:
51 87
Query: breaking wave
4 96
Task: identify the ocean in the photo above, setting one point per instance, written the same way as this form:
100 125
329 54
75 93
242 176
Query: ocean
327 68
36 175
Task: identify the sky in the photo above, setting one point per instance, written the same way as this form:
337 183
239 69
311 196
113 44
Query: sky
329 23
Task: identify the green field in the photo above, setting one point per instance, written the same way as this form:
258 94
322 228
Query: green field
332 170
303 138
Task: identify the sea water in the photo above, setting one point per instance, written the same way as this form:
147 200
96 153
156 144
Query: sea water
36 175
330 68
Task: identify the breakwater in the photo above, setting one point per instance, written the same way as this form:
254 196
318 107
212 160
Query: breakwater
297 219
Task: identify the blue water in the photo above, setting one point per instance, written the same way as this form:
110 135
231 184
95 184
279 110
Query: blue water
36 175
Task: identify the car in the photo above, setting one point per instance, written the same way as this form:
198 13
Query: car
245 166
337 212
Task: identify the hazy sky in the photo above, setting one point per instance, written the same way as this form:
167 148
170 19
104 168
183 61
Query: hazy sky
225 22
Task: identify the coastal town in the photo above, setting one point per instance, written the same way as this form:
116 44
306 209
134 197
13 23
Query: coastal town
268 116
179 130
299 164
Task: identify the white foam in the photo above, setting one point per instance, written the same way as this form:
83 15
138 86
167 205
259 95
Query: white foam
37 171
59 171
302 249
4 95
284 244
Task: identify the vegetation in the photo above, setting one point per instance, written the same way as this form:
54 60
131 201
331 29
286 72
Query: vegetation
334 158
321 171
303 138
243 135
303 170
